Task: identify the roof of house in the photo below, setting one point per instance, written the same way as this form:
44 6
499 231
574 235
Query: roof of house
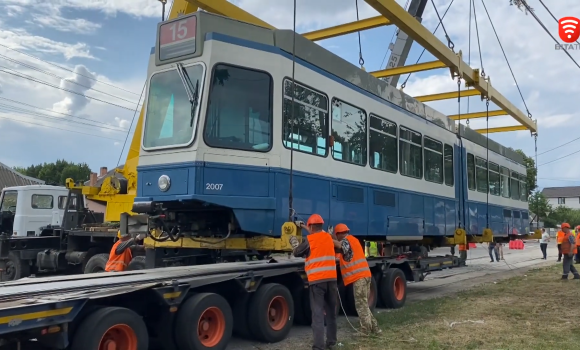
10 177
109 173
565 192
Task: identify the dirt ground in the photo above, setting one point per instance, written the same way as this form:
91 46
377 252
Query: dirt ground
533 311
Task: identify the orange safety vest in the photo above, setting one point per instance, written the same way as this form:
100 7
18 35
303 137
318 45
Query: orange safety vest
566 244
118 263
462 247
560 237
357 268
320 265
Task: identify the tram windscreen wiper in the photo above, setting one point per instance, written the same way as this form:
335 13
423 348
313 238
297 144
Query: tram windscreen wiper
192 92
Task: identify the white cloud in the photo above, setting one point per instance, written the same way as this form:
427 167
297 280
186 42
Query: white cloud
79 25
21 40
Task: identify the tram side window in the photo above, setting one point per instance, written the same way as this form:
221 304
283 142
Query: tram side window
382 144
349 129
306 130
523 188
481 174
471 171
433 151
505 182
515 186
239 112
494 179
410 153
448 165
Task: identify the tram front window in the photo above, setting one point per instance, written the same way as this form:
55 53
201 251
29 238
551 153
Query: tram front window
170 120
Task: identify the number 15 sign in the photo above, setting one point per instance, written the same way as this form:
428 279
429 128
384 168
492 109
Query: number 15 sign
177 38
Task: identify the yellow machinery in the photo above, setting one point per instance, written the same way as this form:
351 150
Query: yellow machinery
119 197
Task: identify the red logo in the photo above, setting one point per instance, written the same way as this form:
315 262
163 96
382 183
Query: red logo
569 29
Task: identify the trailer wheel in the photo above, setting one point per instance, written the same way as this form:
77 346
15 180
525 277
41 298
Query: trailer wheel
272 313
378 276
240 311
137 263
97 263
111 328
393 288
372 298
204 321
16 268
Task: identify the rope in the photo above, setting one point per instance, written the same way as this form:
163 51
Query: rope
291 187
487 161
537 202
361 61
450 43
506 59
461 155
422 52
478 41
551 14
469 49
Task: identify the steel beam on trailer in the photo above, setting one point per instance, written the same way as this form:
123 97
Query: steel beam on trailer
412 68
447 95
476 115
399 17
502 129
343 29
227 9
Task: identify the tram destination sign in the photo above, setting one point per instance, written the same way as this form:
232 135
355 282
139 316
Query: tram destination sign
177 38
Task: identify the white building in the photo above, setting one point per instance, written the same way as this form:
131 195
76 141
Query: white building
563 196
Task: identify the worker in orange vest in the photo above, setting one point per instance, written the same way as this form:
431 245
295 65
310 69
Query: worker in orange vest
122 252
568 251
356 271
319 249
559 237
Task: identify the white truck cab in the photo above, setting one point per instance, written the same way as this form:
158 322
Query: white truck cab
25 209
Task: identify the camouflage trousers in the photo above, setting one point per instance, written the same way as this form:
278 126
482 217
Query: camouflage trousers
361 289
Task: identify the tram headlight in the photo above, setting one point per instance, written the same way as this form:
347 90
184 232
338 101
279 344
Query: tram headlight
164 183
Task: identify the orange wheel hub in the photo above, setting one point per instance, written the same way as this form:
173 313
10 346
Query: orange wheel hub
399 287
278 313
211 327
119 337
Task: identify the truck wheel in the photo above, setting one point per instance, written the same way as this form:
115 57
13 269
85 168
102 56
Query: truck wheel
272 313
241 312
378 276
97 263
350 303
393 288
137 263
299 296
204 321
111 328
16 268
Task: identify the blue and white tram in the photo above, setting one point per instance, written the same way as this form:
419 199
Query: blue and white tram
222 116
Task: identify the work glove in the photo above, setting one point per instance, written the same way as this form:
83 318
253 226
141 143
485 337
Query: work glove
141 236
294 242
331 229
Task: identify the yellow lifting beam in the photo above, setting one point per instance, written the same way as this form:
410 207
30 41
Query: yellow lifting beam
412 68
476 115
343 29
502 129
408 24
227 9
447 95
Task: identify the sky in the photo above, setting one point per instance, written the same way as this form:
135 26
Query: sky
72 72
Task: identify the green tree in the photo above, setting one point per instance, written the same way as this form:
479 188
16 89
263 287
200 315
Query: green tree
57 173
539 205
531 173
562 214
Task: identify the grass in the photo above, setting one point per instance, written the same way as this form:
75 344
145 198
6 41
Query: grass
535 311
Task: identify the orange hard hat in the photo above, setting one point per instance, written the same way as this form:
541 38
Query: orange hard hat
341 228
315 219
565 225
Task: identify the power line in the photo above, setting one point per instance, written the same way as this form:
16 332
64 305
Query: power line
50 110
547 31
562 145
505 56
557 159
9 108
56 128
64 68
25 76
62 78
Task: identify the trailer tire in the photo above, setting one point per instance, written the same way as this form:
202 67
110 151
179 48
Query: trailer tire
137 263
211 314
378 277
272 313
16 268
97 263
299 295
240 311
115 325
393 288
372 298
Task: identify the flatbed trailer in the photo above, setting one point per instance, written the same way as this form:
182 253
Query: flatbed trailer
186 307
